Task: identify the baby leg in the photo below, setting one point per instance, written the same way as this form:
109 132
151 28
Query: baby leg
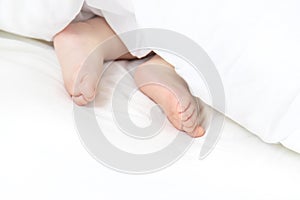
81 63
158 80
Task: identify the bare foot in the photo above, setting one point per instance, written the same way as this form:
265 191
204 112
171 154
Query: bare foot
158 80
81 51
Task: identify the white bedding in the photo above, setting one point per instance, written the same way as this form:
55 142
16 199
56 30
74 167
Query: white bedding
254 45
42 156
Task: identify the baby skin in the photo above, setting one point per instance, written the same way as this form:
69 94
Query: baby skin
156 78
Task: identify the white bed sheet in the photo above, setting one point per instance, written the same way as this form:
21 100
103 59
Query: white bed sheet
42 156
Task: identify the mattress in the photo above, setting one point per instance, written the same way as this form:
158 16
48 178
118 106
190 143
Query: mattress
43 157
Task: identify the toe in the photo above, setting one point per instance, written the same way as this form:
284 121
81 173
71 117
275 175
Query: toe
190 117
184 104
88 90
87 87
197 132
79 100
193 125
188 113
190 124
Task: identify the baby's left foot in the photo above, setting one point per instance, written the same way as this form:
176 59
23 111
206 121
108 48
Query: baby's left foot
158 80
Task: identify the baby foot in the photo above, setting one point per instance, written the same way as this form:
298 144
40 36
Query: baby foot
158 80
81 66
85 80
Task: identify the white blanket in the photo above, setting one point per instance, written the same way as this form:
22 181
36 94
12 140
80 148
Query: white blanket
254 45
42 157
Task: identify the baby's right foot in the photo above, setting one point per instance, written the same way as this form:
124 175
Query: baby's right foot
73 46
81 51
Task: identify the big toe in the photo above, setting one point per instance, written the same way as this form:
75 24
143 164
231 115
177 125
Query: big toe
79 100
87 88
199 131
